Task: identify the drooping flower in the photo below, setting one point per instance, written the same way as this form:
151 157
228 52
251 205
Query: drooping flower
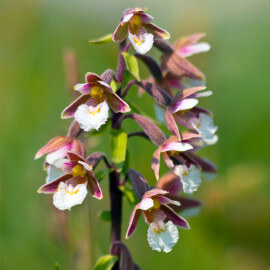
138 27
162 220
90 110
172 151
71 188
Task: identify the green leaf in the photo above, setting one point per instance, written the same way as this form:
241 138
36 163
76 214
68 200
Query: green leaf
56 266
106 262
118 140
130 195
132 65
114 85
105 215
102 40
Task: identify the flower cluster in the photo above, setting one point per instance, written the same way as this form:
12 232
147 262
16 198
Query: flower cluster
176 87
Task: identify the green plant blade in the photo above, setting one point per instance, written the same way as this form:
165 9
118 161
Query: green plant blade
102 40
132 65
118 143
106 262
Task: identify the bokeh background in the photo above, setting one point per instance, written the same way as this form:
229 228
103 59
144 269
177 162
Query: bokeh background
232 229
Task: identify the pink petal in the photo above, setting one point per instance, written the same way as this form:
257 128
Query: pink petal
168 162
53 145
94 186
60 153
184 104
165 200
171 124
171 215
120 33
133 221
75 157
154 192
186 135
155 165
51 187
177 146
194 49
65 165
156 31
86 165
187 41
117 104
83 88
145 204
92 77
72 108
171 183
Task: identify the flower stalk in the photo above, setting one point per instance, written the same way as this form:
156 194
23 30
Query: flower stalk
175 87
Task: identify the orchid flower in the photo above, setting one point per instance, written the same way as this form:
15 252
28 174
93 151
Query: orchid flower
90 110
71 188
162 219
172 151
136 25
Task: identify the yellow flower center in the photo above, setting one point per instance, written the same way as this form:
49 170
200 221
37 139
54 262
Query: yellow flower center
155 206
96 91
158 230
78 170
136 20
95 111
173 153
138 41
73 192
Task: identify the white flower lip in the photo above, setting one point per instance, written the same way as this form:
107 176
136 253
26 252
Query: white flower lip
142 43
90 117
190 178
206 129
164 239
67 196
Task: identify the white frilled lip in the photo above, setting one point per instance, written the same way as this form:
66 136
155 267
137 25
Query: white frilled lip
68 195
162 240
142 43
90 117
190 177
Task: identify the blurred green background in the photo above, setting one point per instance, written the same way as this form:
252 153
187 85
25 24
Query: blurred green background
232 230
